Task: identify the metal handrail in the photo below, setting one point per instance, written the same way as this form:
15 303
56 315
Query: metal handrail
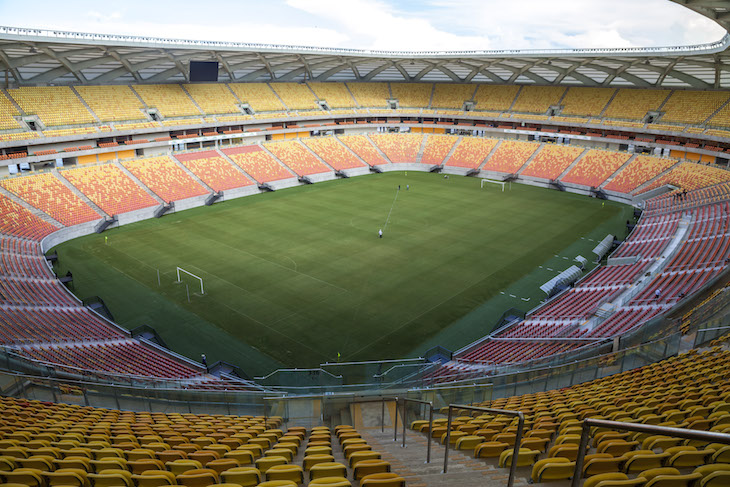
709 436
518 438
430 424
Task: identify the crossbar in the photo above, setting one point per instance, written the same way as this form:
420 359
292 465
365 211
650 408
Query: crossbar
180 269
710 436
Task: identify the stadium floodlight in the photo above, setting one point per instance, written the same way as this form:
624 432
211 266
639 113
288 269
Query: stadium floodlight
501 183
180 269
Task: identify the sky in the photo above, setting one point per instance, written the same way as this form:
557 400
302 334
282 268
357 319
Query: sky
405 25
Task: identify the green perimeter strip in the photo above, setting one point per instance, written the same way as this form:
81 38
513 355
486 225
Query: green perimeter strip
186 333
525 294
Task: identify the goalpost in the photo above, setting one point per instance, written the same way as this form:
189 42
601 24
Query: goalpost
180 269
501 183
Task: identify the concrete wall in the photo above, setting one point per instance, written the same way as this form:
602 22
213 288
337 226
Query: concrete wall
325 176
234 193
188 203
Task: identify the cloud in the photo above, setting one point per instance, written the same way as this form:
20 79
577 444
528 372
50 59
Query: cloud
410 25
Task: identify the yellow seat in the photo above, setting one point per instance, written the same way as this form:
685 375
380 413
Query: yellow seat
600 463
490 449
383 479
292 447
154 478
265 463
179 467
202 477
722 455
687 456
525 457
280 452
311 460
257 450
640 460
363 455
715 479
67 477
111 478
139 453
468 442
557 468
318 450
243 476
278 483
243 457
222 464
367 467
42 463
350 449
614 479
289 472
330 482
616 448
110 463
144 464
564 451
672 479
655 472
27 476
102 453
7 464
327 469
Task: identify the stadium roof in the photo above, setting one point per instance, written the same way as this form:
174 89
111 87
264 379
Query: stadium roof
43 57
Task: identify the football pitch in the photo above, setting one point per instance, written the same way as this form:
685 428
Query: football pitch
295 277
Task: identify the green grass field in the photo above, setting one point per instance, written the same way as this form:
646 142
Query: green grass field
296 276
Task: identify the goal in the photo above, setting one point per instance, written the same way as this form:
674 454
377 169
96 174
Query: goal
200 279
500 183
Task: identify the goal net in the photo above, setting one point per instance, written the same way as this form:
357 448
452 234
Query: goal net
199 279
492 181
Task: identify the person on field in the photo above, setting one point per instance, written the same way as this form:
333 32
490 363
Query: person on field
380 233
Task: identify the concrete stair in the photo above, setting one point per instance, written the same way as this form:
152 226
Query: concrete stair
286 108
83 102
192 100
617 171
235 166
40 214
489 156
530 159
603 112
139 183
572 164
351 152
12 101
324 163
291 171
419 156
453 149
651 181
382 154
191 174
464 470
78 193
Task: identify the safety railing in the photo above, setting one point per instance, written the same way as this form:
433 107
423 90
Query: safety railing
404 401
709 436
504 412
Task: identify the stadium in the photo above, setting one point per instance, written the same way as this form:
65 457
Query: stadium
225 263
